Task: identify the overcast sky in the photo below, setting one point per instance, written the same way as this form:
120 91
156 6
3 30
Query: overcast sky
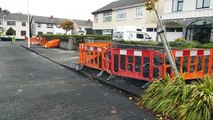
71 9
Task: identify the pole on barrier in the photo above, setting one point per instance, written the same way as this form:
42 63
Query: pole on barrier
150 6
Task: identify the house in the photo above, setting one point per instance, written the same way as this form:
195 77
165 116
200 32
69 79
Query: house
17 21
46 25
82 27
125 12
190 19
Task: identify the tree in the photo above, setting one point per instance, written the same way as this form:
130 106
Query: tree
67 25
10 31
150 6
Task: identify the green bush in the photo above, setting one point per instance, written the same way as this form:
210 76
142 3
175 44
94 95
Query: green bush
10 31
78 37
178 100
151 43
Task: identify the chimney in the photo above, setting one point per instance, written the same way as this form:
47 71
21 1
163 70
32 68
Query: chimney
51 17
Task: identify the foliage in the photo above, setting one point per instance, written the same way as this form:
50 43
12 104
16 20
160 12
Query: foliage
179 100
10 31
149 4
182 43
151 43
67 25
78 37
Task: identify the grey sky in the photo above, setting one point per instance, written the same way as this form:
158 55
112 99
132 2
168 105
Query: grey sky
72 9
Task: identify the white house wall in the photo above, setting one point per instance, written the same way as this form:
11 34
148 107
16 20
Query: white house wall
18 28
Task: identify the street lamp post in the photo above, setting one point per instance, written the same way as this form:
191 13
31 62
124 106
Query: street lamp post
28 36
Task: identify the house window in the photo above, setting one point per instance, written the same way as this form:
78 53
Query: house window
107 32
151 29
96 18
49 25
11 23
23 33
139 12
174 29
140 36
120 14
107 16
50 33
1 22
202 4
23 23
177 5
58 26
39 25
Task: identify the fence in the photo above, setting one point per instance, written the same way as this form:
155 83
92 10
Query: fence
91 54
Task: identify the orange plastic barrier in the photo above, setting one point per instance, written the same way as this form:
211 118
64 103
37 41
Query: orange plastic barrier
91 54
194 63
38 40
139 64
52 43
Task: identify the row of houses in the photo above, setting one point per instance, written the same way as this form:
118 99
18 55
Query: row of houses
40 25
189 19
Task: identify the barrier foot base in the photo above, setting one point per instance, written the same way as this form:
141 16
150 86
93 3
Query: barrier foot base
79 67
110 77
100 74
145 85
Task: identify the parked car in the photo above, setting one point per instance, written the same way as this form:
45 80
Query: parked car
52 43
5 38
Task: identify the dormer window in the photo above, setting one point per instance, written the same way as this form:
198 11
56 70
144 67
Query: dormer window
202 4
177 5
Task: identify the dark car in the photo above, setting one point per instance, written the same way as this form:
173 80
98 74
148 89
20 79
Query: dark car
5 38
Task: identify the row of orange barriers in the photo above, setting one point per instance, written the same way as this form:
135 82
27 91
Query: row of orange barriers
38 40
145 64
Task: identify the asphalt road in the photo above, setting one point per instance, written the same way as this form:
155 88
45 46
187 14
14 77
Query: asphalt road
34 88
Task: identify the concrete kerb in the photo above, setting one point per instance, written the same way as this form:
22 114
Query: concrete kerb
85 74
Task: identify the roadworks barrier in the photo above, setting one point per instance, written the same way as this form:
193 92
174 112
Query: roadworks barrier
145 64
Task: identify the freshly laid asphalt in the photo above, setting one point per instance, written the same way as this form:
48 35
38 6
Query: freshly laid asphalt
35 88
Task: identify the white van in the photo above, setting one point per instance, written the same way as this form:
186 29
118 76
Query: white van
130 33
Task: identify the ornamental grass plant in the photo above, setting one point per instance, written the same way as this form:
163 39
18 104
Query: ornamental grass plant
178 100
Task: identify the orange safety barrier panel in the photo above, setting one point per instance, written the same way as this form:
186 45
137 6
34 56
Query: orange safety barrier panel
139 64
91 54
52 43
194 63
38 40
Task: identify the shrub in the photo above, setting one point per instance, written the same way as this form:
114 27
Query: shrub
179 100
10 31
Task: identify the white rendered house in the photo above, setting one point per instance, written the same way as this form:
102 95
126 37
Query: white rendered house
190 19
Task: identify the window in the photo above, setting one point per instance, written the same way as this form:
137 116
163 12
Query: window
39 25
96 18
23 23
174 29
1 22
11 23
139 12
202 4
177 5
120 14
23 33
140 36
151 29
49 25
50 33
107 16
58 26
107 32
